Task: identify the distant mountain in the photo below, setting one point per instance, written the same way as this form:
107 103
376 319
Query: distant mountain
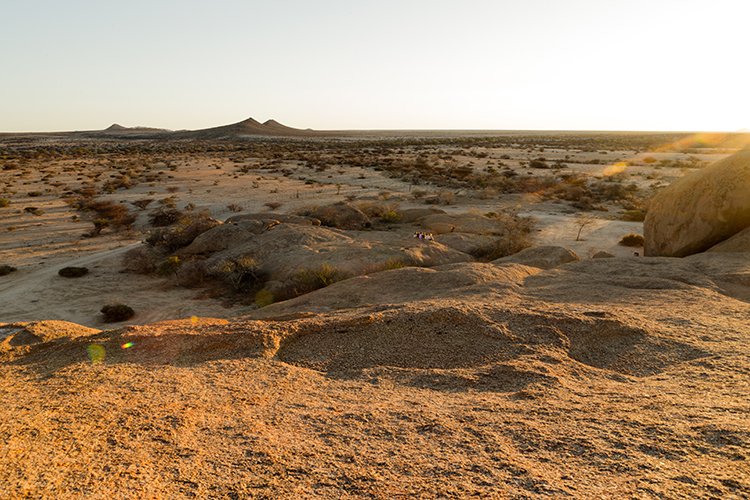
117 129
246 127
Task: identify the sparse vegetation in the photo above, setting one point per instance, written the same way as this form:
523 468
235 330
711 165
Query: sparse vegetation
515 237
115 313
310 279
73 272
182 231
34 211
240 273
164 216
582 221
6 269
632 240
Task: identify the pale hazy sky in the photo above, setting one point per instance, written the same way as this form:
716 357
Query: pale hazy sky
343 64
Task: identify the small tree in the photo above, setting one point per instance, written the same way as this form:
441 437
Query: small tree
583 220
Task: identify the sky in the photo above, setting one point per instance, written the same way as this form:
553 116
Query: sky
380 64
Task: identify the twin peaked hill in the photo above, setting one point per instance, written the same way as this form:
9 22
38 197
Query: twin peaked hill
249 127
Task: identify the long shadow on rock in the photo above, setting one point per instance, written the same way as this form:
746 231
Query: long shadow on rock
123 346
455 348
445 338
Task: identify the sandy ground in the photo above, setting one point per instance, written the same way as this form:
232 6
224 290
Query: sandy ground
606 378
569 382
39 245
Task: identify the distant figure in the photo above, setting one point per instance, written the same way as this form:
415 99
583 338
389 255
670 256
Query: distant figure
636 254
423 236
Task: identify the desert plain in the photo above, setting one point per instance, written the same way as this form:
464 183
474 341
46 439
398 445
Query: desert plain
436 314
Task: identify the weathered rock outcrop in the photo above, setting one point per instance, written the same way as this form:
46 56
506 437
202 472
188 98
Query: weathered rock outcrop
341 216
544 257
740 242
700 210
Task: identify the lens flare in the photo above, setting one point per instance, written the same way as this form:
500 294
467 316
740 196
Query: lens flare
127 345
96 353
615 168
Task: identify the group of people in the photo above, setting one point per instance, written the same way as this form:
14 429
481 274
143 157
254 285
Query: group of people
424 236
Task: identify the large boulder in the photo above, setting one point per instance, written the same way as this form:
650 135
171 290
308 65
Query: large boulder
410 215
544 257
224 236
700 210
740 242
340 215
284 250
271 217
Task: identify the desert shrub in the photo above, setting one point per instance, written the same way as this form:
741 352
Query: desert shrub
311 279
169 201
4 202
164 216
169 266
114 313
391 216
538 163
388 265
140 260
273 205
264 298
632 240
120 182
109 214
191 274
387 212
181 233
633 215
446 198
240 273
5 269
233 207
33 210
515 236
142 203
73 272
35 194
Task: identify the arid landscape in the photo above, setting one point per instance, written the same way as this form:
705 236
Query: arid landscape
255 310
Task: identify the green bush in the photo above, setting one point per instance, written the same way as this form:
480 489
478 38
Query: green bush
4 202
